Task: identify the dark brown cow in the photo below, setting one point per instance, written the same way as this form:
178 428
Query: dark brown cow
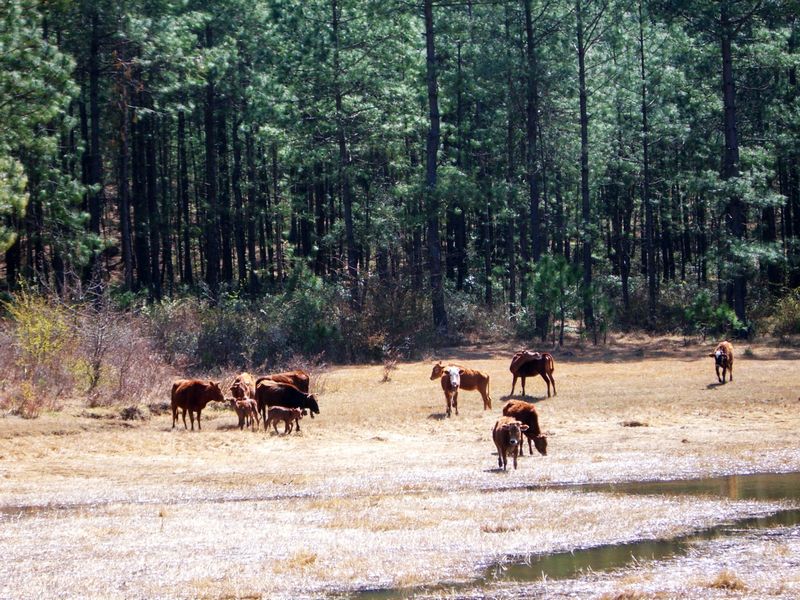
193 395
507 436
529 364
723 357
454 377
289 416
244 386
271 393
525 412
297 378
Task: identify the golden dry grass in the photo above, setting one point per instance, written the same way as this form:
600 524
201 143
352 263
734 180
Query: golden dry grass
380 490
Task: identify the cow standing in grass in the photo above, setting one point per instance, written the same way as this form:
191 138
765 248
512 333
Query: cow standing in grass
525 413
529 364
298 378
507 436
270 393
193 395
455 377
723 359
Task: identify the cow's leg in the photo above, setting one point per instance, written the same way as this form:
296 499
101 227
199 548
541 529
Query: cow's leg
447 402
198 419
174 416
523 385
183 416
717 369
553 382
547 381
514 454
297 422
513 385
499 455
730 371
455 401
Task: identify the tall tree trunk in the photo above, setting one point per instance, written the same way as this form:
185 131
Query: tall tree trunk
152 206
212 212
239 222
183 201
511 254
345 186
224 199
124 193
649 224
141 224
95 175
280 267
531 129
730 165
586 208
251 210
432 201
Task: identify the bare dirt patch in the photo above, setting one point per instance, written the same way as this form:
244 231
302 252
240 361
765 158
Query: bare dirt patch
380 490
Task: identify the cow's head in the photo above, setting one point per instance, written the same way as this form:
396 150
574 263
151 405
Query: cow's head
453 375
438 369
311 404
514 431
239 389
719 356
216 391
540 441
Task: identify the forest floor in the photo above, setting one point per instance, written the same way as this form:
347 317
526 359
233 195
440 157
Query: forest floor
381 491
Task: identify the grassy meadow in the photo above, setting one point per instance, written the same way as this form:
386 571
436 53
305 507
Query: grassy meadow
381 491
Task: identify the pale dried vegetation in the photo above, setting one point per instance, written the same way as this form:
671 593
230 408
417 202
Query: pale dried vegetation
381 491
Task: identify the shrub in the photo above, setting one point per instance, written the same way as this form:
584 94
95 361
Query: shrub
786 316
704 318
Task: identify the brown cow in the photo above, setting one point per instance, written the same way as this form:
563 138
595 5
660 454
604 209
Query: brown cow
287 415
244 386
525 412
467 379
271 393
529 364
507 435
723 357
247 411
297 378
193 395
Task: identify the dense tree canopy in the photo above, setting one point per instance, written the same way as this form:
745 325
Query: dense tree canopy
548 160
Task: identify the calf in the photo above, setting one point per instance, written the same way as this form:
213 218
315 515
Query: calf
524 412
468 379
287 415
507 435
271 393
723 357
193 395
529 364
298 378
247 411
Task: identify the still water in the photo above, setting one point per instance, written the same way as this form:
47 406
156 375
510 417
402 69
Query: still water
567 565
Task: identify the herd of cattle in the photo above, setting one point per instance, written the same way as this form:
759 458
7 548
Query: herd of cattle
285 397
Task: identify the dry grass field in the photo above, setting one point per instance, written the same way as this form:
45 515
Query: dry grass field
381 491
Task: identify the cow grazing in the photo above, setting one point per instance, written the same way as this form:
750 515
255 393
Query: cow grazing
247 411
289 416
297 378
529 364
244 386
467 379
193 395
525 413
270 393
507 435
723 358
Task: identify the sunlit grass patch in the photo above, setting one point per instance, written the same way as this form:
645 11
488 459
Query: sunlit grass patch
727 580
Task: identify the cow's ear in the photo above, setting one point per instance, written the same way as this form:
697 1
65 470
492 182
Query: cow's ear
711 355
523 427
